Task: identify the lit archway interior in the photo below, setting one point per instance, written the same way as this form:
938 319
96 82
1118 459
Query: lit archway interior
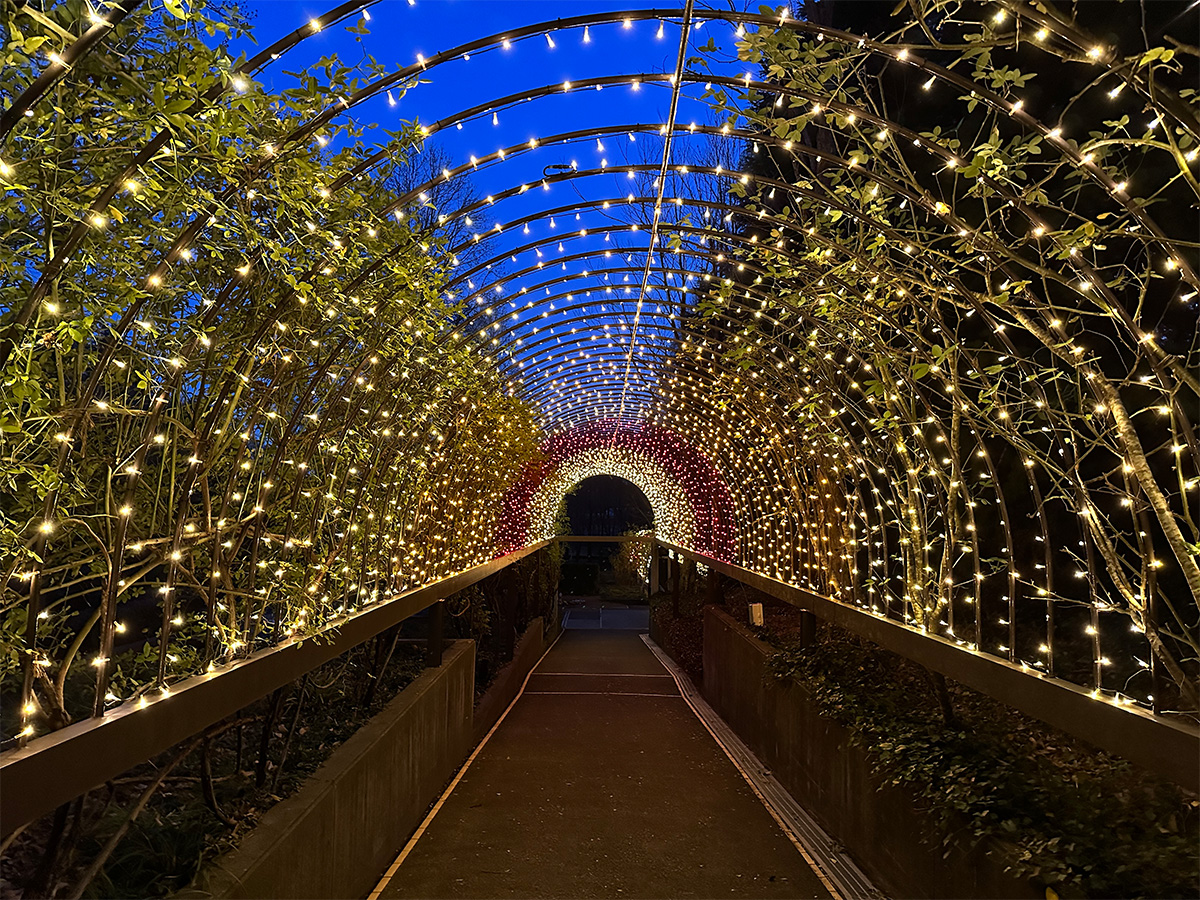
907 321
607 505
692 505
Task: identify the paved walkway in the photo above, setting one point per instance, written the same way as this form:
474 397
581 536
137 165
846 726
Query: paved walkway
601 782
608 618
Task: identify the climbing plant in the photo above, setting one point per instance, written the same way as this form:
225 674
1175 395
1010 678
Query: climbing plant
967 298
229 412
930 340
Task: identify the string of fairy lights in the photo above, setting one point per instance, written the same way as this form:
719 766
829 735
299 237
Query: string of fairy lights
884 374
672 512
656 218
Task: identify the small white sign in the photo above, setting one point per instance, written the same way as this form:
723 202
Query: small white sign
756 614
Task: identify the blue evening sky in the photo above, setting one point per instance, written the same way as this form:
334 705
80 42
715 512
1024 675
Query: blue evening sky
565 363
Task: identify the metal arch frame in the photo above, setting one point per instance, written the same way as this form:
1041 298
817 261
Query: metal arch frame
550 363
840 247
948 600
847 211
540 341
897 187
526 291
892 127
851 405
1156 363
543 340
482 309
985 96
731 239
976 303
574 234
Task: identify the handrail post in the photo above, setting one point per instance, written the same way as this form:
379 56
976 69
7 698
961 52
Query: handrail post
676 583
716 594
808 628
434 642
509 597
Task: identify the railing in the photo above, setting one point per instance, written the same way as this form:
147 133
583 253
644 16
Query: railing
1164 746
57 767
54 769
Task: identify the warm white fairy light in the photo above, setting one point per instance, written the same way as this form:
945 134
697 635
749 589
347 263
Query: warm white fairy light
753 409
673 518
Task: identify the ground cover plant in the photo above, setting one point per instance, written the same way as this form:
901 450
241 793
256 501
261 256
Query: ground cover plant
1079 821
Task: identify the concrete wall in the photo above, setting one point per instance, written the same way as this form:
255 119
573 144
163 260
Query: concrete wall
504 687
338 833
813 758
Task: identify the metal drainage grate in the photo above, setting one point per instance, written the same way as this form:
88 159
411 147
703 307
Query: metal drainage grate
845 875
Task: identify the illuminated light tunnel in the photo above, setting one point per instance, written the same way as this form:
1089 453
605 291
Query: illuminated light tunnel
932 332
692 504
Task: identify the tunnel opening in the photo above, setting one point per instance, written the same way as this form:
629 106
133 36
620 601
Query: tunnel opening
605 572
607 505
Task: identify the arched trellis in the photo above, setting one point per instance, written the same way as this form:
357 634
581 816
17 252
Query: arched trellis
691 380
748 82
686 491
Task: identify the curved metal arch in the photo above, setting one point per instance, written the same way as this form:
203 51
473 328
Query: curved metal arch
925 203
733 238
988 97
846 210
730 80
773 220
527 291
851 404
489 308
917 139
521 190
892 187
918 199
533 346
1011 545
574 235
895 325
904 56
1112 190
722 235
574 174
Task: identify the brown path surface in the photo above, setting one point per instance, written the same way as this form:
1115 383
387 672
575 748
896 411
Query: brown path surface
601 782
